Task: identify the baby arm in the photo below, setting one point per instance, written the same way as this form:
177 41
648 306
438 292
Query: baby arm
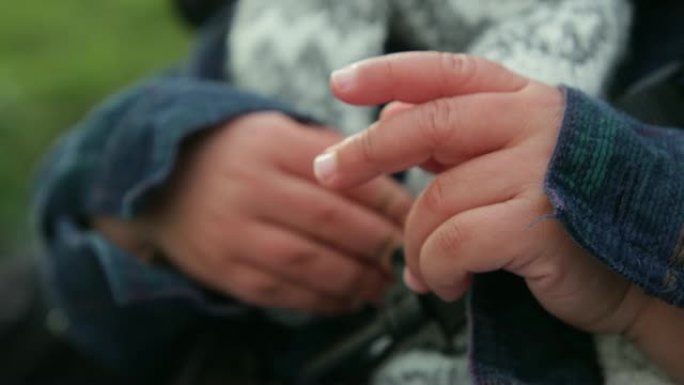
490 135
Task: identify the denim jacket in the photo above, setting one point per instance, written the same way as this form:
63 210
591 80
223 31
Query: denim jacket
615 184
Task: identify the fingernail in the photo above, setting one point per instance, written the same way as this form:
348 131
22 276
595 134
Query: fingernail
325 165
414 283
344 78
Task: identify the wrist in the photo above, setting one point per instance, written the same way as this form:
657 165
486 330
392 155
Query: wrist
129 235
651 312
640 306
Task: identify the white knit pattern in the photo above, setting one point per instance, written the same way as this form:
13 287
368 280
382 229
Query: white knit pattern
573 42
287 48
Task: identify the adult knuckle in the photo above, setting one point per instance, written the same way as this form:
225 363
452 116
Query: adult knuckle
287 255
324 215
247 135
276 246
385 201
399 209
300 257
394 201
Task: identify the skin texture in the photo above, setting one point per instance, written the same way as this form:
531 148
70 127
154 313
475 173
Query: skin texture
488 134
242 214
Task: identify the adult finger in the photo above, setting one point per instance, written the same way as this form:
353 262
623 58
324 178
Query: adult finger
478 182
229 274
307 263
261 288
418 77
447 131
480 240
331 219
382 195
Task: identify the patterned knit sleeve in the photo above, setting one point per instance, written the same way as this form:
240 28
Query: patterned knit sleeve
573 42
617 186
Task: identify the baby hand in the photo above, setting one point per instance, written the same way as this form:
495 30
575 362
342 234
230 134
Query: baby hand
489 134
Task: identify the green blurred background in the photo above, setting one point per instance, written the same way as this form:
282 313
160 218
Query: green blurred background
57 59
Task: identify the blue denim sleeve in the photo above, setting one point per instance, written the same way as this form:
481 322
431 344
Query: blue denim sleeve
617 185
108 165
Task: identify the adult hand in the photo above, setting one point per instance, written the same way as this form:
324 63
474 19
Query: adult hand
489 134
243 214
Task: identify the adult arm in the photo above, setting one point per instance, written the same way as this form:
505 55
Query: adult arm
246 178
119 308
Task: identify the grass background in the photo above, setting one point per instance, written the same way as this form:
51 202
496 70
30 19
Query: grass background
57 59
